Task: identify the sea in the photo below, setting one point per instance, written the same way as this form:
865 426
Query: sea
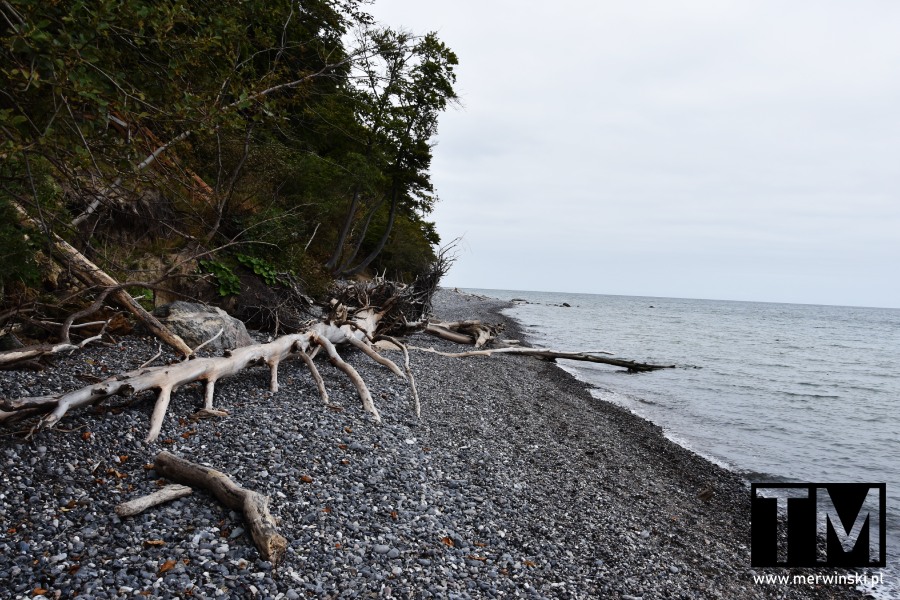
774 392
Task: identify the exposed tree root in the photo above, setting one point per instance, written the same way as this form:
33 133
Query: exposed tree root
254 505
168 378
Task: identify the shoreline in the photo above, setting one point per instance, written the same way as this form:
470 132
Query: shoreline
517 483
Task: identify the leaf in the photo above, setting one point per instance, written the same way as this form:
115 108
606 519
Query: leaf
154 543
394 515
306 479
478 558
447 541
529 563
87 435
167 566
38 592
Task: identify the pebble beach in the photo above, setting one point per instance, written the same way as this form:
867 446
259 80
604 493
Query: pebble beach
515 483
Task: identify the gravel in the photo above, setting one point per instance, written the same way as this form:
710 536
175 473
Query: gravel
515 483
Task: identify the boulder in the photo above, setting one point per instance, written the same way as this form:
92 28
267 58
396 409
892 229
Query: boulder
197 323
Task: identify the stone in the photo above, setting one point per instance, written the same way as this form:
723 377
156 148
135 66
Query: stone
197 323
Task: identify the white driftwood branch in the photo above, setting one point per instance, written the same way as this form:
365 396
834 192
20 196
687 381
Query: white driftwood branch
254 505
462 332
368 351
92 275
553 355
337 361
417 405
317 377
167 378
139 505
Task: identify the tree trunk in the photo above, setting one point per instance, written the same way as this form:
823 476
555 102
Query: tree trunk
92 275
381 243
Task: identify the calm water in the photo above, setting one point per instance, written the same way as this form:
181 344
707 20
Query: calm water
801 392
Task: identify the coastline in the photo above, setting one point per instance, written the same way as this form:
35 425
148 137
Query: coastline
517 482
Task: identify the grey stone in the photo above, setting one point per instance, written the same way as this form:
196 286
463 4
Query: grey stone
196 324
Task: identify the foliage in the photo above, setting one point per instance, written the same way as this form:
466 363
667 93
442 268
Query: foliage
228 283
16 251
261 267
123 122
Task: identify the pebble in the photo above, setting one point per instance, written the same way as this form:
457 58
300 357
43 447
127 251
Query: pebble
491 494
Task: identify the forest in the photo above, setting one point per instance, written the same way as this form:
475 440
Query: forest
223 152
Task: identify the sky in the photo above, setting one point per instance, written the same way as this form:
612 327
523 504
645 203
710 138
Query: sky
739 150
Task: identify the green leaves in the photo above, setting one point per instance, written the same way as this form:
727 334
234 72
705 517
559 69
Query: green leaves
228 283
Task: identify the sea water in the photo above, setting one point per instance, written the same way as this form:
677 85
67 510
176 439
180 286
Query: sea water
775 392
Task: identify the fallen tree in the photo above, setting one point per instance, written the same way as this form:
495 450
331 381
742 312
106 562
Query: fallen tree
360 315
166 379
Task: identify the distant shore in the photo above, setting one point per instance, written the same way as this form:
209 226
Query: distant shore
516 483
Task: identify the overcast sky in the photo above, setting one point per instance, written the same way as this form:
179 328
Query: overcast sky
703 149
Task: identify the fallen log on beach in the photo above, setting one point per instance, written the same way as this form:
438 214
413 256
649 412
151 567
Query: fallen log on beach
552 355
253 505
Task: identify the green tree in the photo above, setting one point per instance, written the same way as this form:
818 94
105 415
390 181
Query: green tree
401 87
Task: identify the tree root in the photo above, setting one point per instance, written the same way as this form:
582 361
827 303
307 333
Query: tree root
168 378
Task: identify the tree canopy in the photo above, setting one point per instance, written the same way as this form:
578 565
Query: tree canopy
153 135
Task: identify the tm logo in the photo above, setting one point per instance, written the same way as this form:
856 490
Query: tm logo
817 525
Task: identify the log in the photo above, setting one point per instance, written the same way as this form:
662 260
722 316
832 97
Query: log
92 275
139 505
253 505
472 332
632 366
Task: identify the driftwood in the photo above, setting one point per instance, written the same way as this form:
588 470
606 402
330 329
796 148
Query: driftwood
139 505
553 355
254 505
12 357
168 378
462 332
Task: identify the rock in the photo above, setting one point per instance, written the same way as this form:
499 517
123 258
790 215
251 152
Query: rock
10 342
381 549
196 323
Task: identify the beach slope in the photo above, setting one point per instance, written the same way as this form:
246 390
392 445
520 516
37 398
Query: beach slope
515 483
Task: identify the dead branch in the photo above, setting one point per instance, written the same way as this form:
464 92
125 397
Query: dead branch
417 405
254 505
139 505
28 353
